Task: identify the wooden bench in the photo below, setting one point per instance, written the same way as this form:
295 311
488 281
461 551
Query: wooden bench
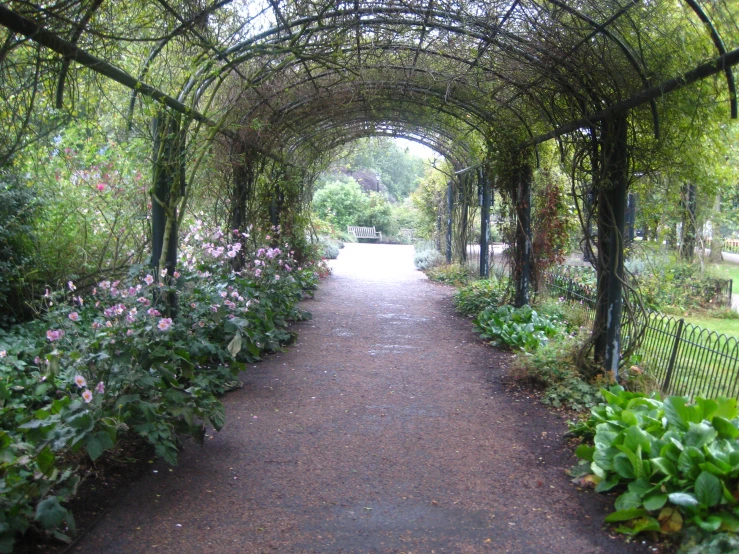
364 232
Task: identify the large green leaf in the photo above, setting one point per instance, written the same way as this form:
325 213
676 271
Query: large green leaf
699 434
50 513
725 428
622 465
625 515
655 501
679 414
708 489
628 501
635 437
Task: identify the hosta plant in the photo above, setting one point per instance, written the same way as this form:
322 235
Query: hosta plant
674 462
519 328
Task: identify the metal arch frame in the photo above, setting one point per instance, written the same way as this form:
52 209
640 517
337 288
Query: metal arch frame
366 128
381 115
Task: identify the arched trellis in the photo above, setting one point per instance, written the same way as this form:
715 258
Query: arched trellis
581 68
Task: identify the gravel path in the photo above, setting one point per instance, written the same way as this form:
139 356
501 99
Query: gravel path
384 429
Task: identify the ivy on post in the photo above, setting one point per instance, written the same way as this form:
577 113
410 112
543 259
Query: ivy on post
612 195
485 195
522 174
167 191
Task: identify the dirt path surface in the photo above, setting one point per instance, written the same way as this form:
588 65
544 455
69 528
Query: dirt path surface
385 429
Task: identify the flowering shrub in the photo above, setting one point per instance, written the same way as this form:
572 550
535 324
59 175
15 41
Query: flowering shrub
121 359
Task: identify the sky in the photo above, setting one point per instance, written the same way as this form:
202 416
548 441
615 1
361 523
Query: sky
415 148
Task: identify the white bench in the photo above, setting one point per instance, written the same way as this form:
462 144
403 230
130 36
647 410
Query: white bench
364 232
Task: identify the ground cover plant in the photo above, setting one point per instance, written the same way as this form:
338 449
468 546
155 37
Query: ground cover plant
552 369
675 463
118 359
471 299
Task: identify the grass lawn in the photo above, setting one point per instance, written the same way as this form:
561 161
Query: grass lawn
727 326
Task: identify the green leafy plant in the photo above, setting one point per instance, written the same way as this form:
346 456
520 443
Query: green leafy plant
676 462
553 369
471 299
118 359
427 258
451 274
521 328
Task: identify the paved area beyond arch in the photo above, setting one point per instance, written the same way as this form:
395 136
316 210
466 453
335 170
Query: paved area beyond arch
384 429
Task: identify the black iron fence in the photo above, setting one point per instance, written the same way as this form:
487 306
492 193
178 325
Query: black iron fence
684 359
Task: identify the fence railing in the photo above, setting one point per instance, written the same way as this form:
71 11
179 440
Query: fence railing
684 359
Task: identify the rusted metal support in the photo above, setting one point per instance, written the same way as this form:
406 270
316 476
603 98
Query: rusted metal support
449 218
522 268
485 195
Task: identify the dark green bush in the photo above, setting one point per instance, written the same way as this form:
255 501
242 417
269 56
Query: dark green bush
18 208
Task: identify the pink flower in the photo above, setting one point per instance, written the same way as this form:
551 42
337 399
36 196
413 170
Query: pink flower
148 279
53 335
153 312
129 332
232 253
100 388
71 286
37 360
74 316
104 284
101 187
176 275
3 353
144 301
164 324
80 381
87 396
96 325
223 294
193 305
277 277
257 272
268 237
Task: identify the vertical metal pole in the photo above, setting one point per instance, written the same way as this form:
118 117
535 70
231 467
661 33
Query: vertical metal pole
616 137
523 233
450 211
673 356
484 226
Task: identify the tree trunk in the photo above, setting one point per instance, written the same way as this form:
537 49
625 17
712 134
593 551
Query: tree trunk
717 240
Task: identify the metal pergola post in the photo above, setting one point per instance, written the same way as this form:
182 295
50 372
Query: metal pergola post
484 224
523 232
